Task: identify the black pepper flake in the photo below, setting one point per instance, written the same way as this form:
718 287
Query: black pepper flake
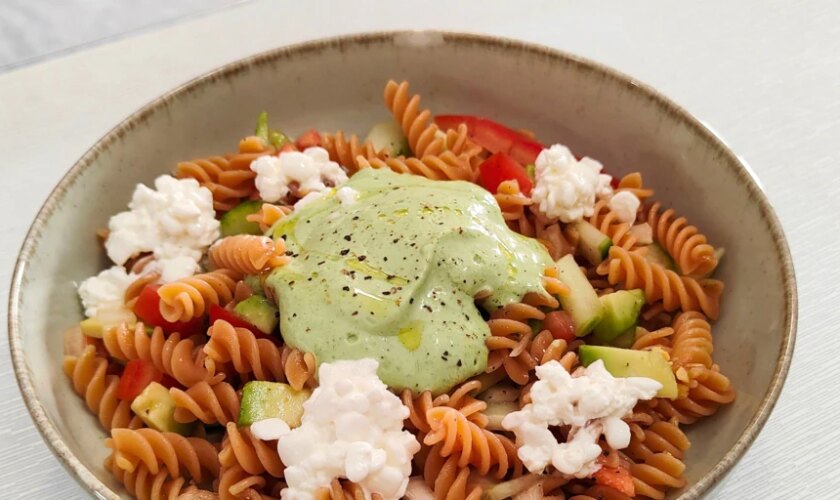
355 313
344 252
347 237
346 288
362 257
386 292
411 300
322 263
368 277
396 240
385 258
459 363
443 304
427 307
289 253
355 217
292 283
391 276
466 317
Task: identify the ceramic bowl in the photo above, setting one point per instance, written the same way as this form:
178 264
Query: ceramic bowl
338 83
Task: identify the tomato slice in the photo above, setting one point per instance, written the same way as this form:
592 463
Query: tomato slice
137 375
494 137
560 324
147 309
308 139
218 312
501 167
617 478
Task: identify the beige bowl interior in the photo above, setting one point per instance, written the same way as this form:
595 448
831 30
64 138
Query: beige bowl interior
338 84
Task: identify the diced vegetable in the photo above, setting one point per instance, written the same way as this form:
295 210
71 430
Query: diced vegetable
594 245
621 312
308 139
388 136
258 311
625 340
254 284
655 254
617 478
642 232
510 488
560 324
494 136
156 408
499 168
261 130
633 363
278 139
147 309
500 393
582 302
234 221
262 400
496 412
219 312
138 374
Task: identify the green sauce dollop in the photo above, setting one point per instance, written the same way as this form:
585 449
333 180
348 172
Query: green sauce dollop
393 277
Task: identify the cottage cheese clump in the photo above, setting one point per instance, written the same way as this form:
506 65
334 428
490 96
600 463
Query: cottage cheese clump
175 221
352 427
565 187
591 401
311 170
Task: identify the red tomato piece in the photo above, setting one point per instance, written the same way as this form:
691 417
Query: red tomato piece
494 136
499 168
308 139
218 312
560 324
137 375
147 309
617 478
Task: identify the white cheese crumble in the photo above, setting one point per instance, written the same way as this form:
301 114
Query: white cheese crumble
105 291
346 195
352 427
624 205
175 221
311 170
591 401
565 187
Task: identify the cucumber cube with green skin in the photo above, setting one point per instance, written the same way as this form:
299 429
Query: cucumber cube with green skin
619 362
234 220
594 245
582 302
156 408
259 311
388 136
621 312
262 400
625 340
655 254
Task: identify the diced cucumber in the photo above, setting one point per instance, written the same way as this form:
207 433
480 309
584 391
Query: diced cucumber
156 408
234 220
107 317
388 136
254 284
582 302
262 400
496 412
625 340
261 129
632 363
655 254
259 311
621 312
594 245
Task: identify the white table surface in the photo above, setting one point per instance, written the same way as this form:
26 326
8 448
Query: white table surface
765 75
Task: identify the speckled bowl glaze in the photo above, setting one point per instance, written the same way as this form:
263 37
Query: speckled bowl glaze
337 83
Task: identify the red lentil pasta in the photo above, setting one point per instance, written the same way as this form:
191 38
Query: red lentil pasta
192 338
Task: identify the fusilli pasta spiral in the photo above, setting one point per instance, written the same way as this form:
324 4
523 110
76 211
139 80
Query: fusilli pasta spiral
684 242
88 374
472 445
607 222
147 486
212 404
656 474
248 254
253 455
446 166
190 297
268 215
163 450
448 480
345 150
260 358
633 271
179 358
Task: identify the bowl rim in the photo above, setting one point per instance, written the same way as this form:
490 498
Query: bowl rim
88 480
